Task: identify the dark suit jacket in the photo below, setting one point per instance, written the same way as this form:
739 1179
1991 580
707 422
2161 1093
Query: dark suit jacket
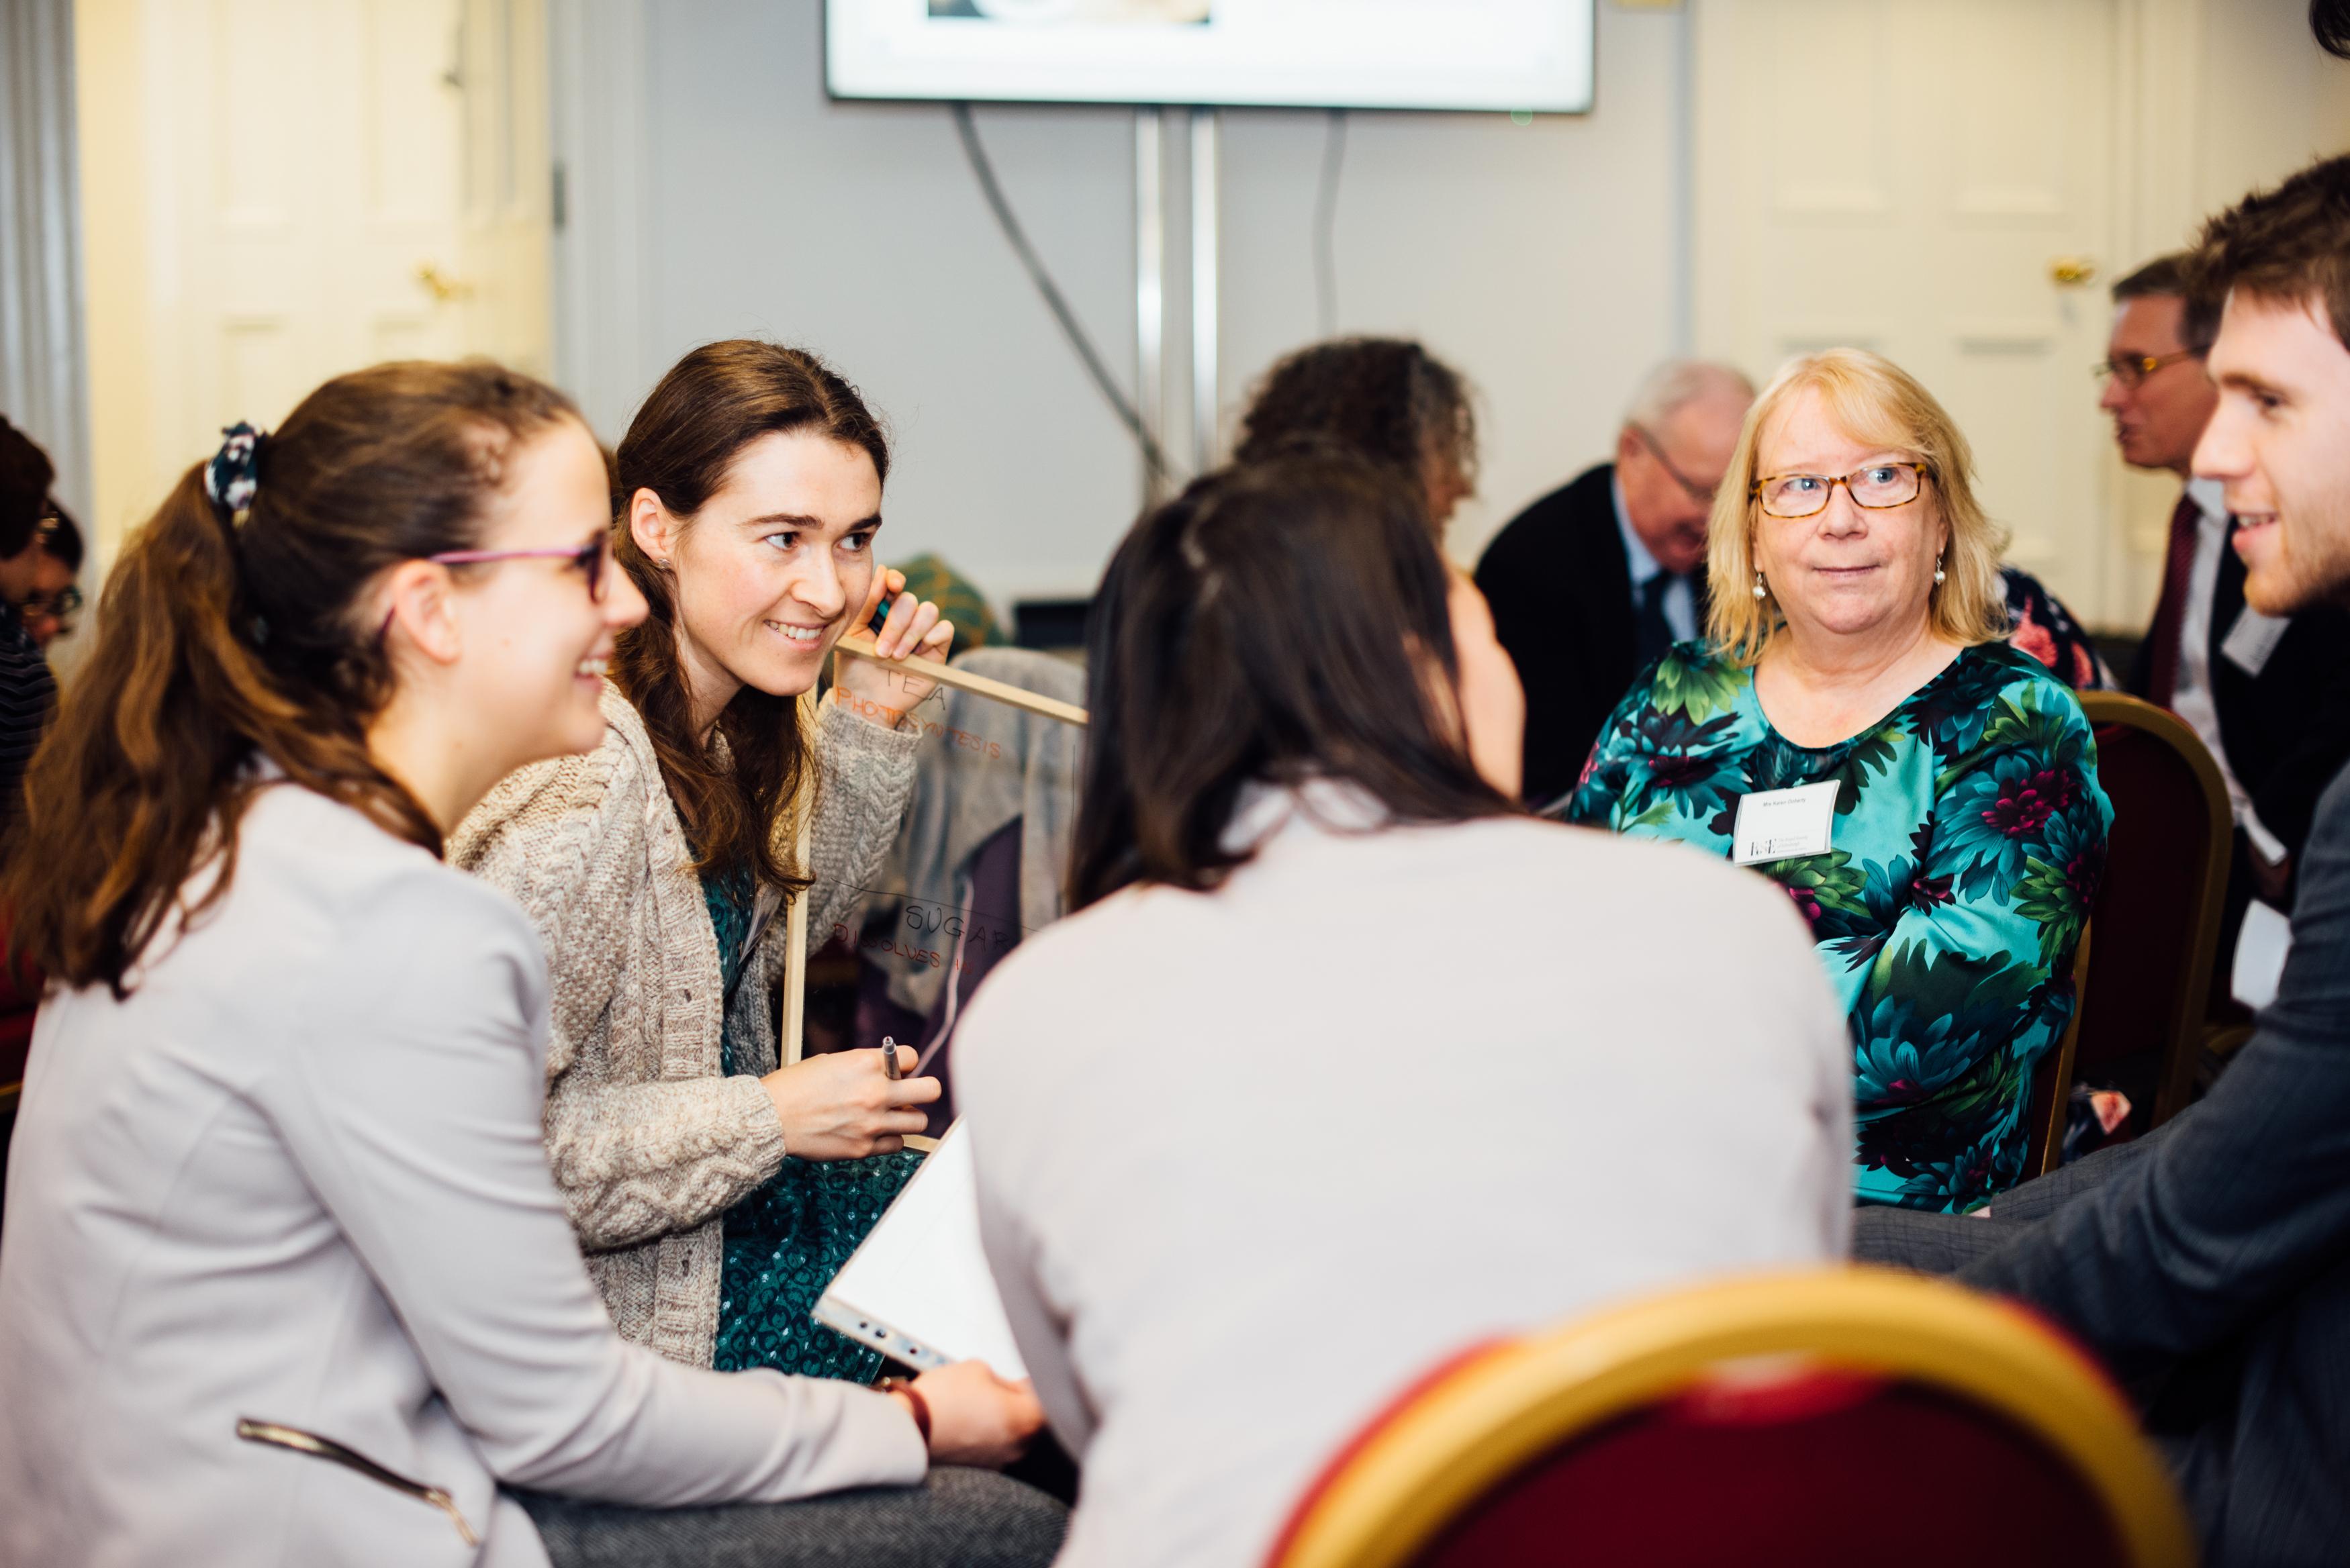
2286 730
2209 1263
1561 589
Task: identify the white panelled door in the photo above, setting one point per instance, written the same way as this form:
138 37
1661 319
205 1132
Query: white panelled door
338 183
1930 179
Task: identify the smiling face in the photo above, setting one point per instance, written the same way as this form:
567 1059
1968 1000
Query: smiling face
534 643
2278 440
1845 571
2156 422
770 572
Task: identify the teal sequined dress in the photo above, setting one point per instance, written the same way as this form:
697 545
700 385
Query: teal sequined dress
785 1241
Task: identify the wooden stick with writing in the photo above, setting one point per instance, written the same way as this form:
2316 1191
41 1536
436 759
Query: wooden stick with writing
860 644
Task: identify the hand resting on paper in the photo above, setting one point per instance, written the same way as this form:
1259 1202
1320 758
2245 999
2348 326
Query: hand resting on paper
977 1418
842 1105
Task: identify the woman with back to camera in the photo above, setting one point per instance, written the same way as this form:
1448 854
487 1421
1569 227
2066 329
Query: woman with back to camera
285 1279
1234 1212
1854 639
656 865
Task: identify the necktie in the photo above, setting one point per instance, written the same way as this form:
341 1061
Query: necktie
2171 610
1653 634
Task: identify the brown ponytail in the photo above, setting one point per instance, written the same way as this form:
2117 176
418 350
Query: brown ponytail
221 642
681 446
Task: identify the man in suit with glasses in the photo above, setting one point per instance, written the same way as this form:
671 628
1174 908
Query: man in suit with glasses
1594 581
2268 695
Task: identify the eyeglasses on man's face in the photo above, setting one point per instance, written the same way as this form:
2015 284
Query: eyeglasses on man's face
1700 493
1875 487
2132 370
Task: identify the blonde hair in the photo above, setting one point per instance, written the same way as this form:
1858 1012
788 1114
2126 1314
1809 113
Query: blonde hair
1873 401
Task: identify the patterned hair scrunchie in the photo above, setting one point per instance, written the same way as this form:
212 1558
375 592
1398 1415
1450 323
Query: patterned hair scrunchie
233 474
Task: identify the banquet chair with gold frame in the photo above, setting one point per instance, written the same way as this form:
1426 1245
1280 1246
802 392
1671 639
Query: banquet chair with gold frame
1835 1418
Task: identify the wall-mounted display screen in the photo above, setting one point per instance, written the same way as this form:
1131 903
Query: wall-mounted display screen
1335 54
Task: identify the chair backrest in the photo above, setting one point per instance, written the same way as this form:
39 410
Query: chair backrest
2165 886
1837 1418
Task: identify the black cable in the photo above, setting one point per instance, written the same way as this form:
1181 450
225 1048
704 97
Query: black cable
1120 402
1325 225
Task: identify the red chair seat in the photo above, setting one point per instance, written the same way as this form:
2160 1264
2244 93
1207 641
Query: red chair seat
1890 1473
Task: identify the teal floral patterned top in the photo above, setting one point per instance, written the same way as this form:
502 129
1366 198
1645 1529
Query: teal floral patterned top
785 1241
1968 839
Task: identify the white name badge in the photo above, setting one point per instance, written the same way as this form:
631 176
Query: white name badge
2253 638
1784 824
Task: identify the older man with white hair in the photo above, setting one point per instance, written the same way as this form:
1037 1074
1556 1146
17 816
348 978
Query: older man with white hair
1598 579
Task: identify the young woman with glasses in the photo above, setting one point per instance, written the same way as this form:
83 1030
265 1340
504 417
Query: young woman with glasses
716 1189
1949 857
285 1273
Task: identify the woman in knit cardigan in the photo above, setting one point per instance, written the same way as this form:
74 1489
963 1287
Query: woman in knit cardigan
749 485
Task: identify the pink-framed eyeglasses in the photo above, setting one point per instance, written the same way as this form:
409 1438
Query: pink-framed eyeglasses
590 559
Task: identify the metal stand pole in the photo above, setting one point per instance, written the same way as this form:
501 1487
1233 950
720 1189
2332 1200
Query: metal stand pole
1204 205
1150 289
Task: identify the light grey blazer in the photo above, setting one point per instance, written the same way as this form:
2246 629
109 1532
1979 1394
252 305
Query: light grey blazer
297 1175
1251 1161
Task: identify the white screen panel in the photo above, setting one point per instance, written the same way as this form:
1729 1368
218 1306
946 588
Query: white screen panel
1348 54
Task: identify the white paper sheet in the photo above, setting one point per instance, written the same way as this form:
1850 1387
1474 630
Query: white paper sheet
2261 950
918 1290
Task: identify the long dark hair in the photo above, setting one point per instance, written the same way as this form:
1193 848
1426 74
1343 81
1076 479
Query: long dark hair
681 446
221 642
1277 621
1387 399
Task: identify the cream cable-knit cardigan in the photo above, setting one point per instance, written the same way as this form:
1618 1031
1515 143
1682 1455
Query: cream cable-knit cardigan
648 1143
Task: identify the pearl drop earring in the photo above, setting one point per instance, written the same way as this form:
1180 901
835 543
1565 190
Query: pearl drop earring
1939 573
1759 591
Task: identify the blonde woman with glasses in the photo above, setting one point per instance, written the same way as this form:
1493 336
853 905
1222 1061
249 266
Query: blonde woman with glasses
1854 727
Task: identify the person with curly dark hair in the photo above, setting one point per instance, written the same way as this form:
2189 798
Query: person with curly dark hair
1387 398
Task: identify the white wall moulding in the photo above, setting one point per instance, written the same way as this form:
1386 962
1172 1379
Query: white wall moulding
597 95
43 388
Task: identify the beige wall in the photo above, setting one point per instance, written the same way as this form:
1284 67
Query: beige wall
117 251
